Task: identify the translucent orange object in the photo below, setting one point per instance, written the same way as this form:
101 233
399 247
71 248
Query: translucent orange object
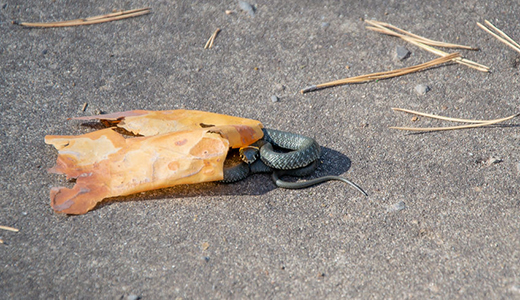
242 132
178 147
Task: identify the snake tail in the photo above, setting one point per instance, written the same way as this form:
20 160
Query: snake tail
311 182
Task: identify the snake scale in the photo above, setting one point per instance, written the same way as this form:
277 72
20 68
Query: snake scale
301 160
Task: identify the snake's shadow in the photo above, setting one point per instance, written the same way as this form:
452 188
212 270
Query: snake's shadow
332 163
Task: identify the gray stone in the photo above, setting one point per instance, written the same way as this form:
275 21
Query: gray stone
397 206
248 8
279 87
401 53
422 89
274 98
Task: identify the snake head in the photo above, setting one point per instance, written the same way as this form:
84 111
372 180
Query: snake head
249 154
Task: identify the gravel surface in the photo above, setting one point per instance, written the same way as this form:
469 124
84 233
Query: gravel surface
456 234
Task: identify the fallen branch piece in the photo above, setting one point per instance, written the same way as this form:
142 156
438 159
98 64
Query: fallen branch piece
91 20
425 43
9 228
504 39
383 75
476 123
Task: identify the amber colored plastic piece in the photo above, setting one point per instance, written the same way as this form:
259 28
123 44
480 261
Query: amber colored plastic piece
106 164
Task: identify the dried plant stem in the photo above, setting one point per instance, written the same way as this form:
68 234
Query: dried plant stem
416 37
459 60
477 123
504 39
443 118
91 20
425 44
382 75
502 33
211 40
9 228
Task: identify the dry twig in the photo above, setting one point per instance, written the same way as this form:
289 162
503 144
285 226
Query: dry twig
476 123
209 43
424 43
91 20
382 75
504 39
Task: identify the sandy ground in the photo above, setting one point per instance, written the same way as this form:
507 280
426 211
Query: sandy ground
457 236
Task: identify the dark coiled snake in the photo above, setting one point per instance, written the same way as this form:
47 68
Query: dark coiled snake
301 160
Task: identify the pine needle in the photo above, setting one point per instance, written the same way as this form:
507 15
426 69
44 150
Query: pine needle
504 39
425 43
477 123
421 39
91 20
382 75
211 40
9 228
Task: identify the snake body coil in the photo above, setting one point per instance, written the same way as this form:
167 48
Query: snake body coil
305 150
301 160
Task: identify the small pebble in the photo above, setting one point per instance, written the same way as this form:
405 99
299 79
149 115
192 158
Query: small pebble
4 6
422 89
206 258
279 87
248 8
489 161
515 288
205 246
493 160
44 52
397 206
274 99
325 24
401 53
132 297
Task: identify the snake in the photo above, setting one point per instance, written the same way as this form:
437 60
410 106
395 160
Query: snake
301 160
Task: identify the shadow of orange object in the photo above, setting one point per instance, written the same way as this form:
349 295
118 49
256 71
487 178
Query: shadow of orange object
177 147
